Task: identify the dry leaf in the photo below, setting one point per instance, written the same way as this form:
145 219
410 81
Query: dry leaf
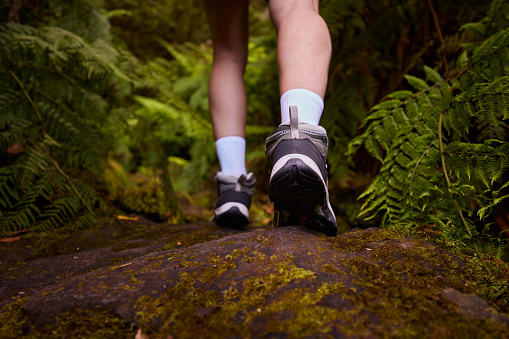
11 239
140 335
20 232
269 209
267 221
15 149
124 217
124 265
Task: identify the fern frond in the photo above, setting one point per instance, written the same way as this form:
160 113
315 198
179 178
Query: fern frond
54 83
400 131
193 125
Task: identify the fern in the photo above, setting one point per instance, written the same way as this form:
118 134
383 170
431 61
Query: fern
431 170
53 87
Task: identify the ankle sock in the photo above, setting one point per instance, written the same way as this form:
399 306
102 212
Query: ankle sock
309 104
231 152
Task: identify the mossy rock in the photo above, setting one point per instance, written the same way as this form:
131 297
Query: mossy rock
45 258
287 282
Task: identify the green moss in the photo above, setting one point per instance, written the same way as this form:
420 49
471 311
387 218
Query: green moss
68 241
396 293
133 283
489 276
151 266
259 239
175 255
107 232
308 319
490 281
226 243
213 313
75 323
218 265
320 249
16 269
139 194
89 323
331 269
256 256
185 263
181 301
98 288
391 289
191 304
13 323
356 241
402 283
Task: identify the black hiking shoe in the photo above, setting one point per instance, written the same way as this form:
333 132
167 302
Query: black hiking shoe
297 154
234 199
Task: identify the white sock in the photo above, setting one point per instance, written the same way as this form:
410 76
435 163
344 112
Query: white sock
231 152
309 104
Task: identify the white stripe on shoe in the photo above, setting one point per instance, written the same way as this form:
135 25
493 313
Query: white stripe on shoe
225 207
308 161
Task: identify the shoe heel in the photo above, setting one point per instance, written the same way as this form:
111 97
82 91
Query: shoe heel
296 188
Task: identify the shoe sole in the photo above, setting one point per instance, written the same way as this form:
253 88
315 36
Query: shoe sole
299 195
232 218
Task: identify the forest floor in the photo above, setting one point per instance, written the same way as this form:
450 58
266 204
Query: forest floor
132 277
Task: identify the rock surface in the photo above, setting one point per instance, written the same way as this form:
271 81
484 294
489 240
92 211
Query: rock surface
34 263
277 283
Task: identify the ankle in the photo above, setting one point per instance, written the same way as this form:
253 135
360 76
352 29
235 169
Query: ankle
231 152
309 103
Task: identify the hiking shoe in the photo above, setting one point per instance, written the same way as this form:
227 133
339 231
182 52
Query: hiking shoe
234 199
296 154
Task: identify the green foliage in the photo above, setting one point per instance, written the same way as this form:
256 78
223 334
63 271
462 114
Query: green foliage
83 105
142 192
170 119
66 104
173 106
55 86
374 44
142 24
50 115
432 168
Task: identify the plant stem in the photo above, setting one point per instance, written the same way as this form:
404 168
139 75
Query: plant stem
29 99
444 169
53 161
413 175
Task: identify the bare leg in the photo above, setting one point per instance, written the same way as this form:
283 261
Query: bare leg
227 96
304 45
228 109
297 149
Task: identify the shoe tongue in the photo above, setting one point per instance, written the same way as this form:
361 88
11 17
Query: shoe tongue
248 176
294 122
